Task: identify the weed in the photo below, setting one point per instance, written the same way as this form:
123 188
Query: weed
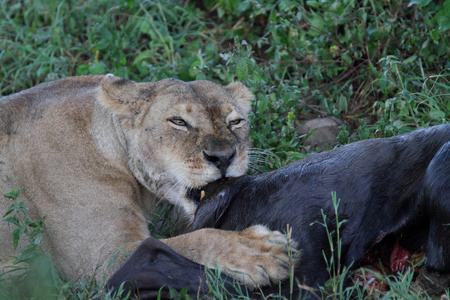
33 275
16 215
334 287
163 225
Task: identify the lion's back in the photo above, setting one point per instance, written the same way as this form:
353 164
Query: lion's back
19 107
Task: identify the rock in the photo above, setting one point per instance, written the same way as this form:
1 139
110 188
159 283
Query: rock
432 283
324 133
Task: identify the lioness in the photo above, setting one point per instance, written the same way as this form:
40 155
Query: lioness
95 154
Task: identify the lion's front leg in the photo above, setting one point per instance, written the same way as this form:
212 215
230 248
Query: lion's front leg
255 256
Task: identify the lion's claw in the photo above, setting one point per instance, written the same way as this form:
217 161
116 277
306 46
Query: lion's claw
258 256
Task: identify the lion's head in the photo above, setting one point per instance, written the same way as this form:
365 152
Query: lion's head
180 135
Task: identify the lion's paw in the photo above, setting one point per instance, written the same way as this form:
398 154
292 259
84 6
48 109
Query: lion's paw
258 256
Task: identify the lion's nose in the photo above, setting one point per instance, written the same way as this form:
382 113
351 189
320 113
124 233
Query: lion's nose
221 159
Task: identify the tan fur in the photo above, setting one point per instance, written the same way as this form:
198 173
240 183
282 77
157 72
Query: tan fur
249 255
95 154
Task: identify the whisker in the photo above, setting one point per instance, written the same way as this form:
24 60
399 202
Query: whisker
257 159
254 168
180 184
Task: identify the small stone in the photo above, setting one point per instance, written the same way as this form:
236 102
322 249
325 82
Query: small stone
324 133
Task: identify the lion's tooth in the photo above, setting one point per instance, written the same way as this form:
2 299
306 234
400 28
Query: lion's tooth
202 194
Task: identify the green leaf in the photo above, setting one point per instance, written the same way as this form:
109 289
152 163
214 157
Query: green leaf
419 2
242 7
347 58
34 224
314 4
13 220
28 252
130 3
10 210
13 194
410 59
98 68
437 115
447 7
144 55
16 237
37 240
317 25
82 69
435 36
444 23
291 116
242 69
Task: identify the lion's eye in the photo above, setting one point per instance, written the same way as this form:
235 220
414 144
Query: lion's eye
235 122
178 122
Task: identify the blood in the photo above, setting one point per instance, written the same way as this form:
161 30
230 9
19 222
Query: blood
387 257
399 258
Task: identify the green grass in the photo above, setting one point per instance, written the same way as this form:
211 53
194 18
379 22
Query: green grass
380 66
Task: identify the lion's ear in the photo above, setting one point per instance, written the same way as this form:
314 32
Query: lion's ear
241 94
118 94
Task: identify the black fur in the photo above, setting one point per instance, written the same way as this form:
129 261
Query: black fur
391 186
398 185
154 267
